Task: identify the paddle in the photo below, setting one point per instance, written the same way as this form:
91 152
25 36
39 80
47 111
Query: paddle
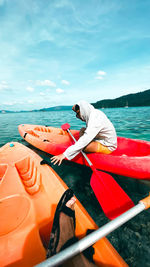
90 239
113 200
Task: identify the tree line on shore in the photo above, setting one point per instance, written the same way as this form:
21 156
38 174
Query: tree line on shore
131 100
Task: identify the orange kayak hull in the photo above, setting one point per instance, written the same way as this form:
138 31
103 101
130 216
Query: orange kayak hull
29 193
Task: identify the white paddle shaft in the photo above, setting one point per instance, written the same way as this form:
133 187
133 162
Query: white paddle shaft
89 240
85 156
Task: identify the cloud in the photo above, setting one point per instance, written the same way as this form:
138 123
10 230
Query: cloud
46 83
99 78
59 90
43 94
65 82
101 72
8 103
12 103
100 75
30 89
3 85
30 101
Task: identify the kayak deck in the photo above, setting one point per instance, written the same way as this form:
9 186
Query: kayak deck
29 194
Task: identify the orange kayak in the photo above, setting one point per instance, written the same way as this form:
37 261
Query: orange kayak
29 193
131 158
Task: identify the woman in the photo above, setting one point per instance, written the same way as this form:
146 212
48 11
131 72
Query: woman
99 135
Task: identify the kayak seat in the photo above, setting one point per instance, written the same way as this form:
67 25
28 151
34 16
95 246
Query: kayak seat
20 240
134 148
13 205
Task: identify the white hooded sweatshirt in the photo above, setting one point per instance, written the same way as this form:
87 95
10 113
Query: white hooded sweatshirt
98 128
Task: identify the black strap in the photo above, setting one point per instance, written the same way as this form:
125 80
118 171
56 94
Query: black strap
25 135
42 162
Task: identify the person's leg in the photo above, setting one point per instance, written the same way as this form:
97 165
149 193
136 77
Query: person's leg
67 232
63 233
96 147
55 231
67 229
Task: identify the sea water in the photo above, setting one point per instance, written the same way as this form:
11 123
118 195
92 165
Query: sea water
131 240
133 122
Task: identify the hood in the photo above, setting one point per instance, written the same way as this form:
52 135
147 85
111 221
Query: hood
85 110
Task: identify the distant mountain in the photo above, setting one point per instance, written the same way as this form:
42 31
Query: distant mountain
57 108
6 111
131 100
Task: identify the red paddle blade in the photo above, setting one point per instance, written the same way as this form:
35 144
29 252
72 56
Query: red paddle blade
113 200
65 126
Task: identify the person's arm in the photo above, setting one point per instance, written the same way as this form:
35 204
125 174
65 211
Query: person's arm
75 149
83 141
91 131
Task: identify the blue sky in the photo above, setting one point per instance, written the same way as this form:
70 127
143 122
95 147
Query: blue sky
56 52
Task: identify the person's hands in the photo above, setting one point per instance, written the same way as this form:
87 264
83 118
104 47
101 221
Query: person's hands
57 159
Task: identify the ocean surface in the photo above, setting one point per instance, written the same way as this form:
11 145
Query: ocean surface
132 240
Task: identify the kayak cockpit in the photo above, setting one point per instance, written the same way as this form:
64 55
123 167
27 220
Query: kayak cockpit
132 148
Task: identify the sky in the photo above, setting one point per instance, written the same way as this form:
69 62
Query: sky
57 52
